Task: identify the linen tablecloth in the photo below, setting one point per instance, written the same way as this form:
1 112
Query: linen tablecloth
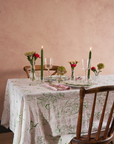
38 115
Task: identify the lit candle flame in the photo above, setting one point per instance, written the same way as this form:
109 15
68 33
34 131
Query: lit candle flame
42 47
90 48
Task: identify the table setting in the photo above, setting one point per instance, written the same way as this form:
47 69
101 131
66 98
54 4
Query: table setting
61 80
44 110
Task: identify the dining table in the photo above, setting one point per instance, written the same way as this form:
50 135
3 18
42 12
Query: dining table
37 114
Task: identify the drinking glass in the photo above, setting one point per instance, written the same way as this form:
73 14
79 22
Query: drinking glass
85 66
48 64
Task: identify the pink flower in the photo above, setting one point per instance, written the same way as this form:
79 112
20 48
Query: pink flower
93 69
37 55
73 65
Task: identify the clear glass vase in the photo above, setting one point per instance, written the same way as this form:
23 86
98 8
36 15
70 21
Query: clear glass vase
60 79
72 73
95 77
32 73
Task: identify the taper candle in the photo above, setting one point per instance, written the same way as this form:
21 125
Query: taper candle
41 62
89 62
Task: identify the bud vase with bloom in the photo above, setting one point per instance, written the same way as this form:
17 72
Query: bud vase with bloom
99 67
61 71
73 65
32 56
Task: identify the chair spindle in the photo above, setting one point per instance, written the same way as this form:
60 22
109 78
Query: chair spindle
108 123
102 117
111 128
91 119
79 123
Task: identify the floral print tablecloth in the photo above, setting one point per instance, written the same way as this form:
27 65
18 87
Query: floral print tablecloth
38 115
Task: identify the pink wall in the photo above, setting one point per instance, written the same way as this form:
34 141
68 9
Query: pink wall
66 29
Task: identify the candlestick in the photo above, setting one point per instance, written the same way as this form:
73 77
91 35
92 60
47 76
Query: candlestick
41 63
89 62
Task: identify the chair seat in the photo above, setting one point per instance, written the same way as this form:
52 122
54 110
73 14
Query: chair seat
65 139
83 139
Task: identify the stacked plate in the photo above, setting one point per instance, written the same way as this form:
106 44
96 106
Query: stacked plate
76 84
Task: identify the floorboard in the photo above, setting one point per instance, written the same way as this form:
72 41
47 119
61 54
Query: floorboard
6 138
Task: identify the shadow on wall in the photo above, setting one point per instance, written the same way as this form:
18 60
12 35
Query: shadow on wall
18 73
4 76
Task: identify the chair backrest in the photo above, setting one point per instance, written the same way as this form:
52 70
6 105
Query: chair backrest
27 69
108 132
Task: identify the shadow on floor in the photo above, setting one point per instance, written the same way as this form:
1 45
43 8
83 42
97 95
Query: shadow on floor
3 129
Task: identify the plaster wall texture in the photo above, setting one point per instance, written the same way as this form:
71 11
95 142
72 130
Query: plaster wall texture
66 28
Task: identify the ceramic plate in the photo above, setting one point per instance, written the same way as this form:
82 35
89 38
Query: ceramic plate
77 84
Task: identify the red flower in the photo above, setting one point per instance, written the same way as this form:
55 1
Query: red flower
93 69
73 65
37 55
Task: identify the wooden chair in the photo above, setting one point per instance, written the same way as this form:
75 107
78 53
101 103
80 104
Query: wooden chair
107 136
38 68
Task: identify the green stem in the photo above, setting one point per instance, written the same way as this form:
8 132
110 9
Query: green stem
33 68
72 73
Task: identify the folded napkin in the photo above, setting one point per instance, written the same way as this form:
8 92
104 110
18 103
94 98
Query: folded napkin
57 87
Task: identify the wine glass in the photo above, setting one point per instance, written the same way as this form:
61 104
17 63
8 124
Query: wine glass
86 66
48 64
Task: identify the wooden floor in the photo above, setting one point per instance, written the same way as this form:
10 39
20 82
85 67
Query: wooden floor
7 138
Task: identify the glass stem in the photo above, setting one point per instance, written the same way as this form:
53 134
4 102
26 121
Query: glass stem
85 74
48 74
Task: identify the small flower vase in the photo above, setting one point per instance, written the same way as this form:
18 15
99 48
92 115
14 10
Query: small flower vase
96 76
72 73
32 73
60 79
